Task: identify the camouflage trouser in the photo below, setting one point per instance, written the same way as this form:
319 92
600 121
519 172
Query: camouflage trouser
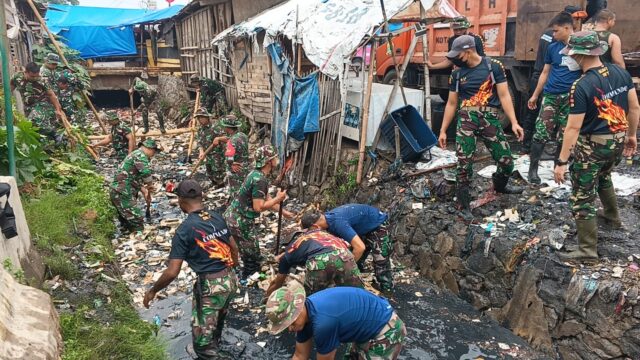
244 231
214 164
129 214
144 109
552 118
212 294
336 268
216 105
43 115
234 181
591 172
121 152
379 244
484 124
386 345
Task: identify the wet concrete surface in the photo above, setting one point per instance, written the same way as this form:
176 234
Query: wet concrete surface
439 326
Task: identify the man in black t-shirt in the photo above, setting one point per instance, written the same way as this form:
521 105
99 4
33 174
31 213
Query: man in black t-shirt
326 257
460 26
476 90
204 241
602 128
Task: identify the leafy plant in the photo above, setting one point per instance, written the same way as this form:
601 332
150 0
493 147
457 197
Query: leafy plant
18 274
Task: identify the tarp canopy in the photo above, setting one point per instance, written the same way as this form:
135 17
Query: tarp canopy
97 32
329 30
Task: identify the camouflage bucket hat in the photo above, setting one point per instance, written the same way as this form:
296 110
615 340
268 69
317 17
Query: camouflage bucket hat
460 23
202 111
151 144
112 116
52 58
230 121
284 306
139 86
585 43
264 154
194 78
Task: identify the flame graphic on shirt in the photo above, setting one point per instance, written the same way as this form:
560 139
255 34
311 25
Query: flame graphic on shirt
481 98
322 237
612 113
215 248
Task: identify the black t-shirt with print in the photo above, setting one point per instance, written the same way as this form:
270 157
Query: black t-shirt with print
476 38
307 245
203 241
602 95
475 87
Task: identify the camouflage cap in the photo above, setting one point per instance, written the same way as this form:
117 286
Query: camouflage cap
194 78
139 85
264 154
585 43
112 116
52 58
284 306
151 144
202 111
460 23
230 121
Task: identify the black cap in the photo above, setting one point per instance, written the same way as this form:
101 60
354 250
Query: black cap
572 8
310 218
189 189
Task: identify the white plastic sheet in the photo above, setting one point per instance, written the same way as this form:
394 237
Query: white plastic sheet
329 30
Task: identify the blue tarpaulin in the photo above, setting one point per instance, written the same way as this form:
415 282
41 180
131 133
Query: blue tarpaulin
305 110
96 31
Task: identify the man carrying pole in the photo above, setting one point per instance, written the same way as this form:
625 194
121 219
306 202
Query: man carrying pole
149 101
120 136
236 154
211 135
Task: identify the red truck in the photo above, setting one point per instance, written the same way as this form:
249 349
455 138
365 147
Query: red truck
511 30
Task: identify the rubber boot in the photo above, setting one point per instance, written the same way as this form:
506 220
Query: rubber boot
536 153
463 197
609 216
145 123
161 122
500 185
587 243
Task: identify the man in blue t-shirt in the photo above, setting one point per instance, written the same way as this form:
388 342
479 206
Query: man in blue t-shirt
558 74
334 316
353 222
602 128
327 260
204 241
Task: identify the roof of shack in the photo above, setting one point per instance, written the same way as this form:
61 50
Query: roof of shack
329 30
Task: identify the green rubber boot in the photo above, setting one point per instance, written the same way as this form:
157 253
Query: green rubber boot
587 243
609 216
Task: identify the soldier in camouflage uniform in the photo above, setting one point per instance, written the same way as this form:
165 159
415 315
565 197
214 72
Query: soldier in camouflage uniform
41 104
204 241
337 315
134 173
212 95
252 199
149 101
363 227
211 135
476 90
559 72
236 154
49 70
65 97
120 135
326 257
602 127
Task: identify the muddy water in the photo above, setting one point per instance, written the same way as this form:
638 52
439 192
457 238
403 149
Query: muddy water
439 326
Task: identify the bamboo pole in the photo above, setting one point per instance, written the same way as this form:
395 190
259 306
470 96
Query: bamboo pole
365 111
152 133
73 137
133 117
193 124
427 82
66 63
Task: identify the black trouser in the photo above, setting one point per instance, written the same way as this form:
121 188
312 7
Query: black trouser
529 123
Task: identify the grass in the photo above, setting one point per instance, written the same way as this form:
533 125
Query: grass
72 211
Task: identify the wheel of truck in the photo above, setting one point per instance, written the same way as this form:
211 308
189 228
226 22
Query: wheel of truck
390 77
409 78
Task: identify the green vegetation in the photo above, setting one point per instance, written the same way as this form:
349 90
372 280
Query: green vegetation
344 186
17 274
70 211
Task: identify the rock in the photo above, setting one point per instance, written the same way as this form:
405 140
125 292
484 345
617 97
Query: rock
609 290
570 328
481 264
443 244
29 324
602 347
524 313
479 301
630 341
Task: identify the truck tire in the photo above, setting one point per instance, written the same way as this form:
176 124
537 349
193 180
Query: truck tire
409 78
389 77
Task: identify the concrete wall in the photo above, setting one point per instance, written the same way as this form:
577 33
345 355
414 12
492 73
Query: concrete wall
19 249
